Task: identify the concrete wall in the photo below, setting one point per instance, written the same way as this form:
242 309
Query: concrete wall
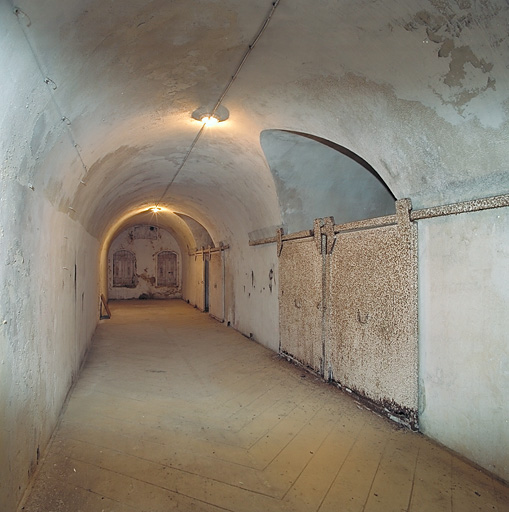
193 290
216 280
49 267
251 292
146 251
371 345
464 335
48 312
315 178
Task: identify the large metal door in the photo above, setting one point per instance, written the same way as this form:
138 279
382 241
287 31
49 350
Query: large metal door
300 303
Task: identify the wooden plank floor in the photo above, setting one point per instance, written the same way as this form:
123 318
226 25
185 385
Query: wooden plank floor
174 411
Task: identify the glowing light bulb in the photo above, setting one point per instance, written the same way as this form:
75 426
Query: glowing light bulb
155 209
209 120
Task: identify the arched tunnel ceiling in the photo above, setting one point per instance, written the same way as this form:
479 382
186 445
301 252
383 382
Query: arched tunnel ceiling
188 233
419 89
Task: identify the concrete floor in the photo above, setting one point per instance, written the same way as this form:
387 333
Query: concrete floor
174 411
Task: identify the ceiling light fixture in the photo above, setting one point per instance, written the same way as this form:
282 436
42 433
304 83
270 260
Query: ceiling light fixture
209 120
220 112
211 117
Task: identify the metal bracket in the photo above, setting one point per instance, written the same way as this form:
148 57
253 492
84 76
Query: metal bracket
328 231
317 234
324 227
279 239
403 209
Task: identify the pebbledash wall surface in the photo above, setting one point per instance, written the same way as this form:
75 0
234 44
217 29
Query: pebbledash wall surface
401 314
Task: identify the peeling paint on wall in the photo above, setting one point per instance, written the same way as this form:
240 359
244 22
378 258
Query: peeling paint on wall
145 243
468 75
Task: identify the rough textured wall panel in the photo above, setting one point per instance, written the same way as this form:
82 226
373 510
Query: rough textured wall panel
371 344
300 302
216 302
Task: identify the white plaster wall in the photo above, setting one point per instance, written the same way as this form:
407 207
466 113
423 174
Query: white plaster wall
48 312
146 252
314 180
250 289
216 302
252 292
48 271
464 335
192 285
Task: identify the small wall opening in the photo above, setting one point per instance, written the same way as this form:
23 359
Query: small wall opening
317 178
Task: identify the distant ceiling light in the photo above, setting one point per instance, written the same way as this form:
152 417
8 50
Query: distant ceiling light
210 116
155 209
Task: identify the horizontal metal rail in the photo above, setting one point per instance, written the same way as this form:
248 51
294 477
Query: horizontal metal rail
474 205
209 250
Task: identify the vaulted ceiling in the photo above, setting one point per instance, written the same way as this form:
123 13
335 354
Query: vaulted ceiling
418 89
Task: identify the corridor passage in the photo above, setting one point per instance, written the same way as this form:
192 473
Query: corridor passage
175 411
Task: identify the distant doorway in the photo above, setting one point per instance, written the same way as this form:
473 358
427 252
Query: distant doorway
206 281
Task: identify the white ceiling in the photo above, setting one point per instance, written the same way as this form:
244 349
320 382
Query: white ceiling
419 89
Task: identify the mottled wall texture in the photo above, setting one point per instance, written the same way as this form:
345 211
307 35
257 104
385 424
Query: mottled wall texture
300 303
351 315
371 344
415 319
